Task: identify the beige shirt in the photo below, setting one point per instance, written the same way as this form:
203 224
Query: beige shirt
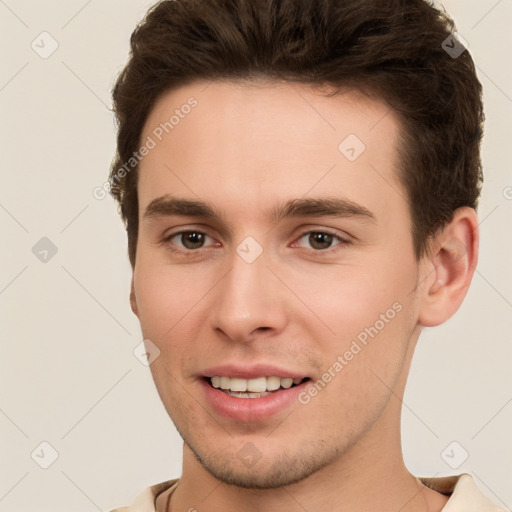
464 494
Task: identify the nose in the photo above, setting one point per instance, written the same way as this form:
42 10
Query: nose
249 302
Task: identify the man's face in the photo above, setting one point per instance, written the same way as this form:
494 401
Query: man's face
314 293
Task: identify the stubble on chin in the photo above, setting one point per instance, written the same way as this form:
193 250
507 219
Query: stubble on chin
270 471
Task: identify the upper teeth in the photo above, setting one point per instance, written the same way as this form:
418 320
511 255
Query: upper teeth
257 385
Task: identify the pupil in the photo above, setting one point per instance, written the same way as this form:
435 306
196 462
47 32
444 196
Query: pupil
320 240
192 240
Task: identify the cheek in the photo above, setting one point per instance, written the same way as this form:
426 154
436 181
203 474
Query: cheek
166 295
349 298
167 299
365 315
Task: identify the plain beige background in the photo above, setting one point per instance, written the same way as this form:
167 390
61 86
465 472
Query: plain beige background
68 375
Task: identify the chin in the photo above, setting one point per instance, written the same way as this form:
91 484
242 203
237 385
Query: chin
284 469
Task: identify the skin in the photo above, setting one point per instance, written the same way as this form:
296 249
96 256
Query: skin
245 148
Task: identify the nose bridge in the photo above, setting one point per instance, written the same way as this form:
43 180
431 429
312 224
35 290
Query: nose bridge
246 298
244 291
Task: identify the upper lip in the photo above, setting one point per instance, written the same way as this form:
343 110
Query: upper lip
251 372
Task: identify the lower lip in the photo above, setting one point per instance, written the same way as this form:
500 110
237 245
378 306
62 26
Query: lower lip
249 410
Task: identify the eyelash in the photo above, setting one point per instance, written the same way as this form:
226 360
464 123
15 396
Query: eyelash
190 252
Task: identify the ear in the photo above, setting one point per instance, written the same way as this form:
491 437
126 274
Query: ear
449 268
133 299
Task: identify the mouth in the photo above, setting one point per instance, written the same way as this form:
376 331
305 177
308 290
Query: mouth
257 387
228 390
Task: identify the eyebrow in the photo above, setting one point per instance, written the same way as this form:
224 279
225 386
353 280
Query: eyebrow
166 206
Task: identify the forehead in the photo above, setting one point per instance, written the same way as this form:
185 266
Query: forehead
291 111
254 142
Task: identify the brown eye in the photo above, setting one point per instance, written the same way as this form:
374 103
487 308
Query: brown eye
192 240
189 239
321 241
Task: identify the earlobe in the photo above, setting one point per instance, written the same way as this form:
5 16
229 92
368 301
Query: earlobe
133 299
452 263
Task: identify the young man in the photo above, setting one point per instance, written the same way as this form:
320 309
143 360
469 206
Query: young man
299 183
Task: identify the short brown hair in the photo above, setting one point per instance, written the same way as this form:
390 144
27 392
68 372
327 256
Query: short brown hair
394 50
